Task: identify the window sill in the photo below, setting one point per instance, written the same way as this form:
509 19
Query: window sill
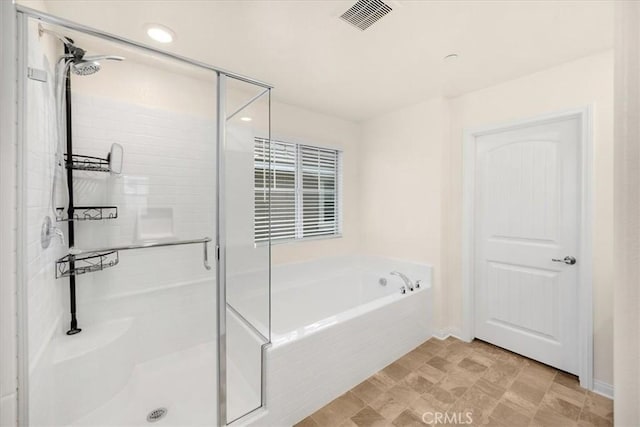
303 240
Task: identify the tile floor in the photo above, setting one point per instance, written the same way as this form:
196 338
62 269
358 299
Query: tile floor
454 378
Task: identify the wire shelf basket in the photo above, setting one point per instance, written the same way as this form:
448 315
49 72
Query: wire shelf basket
74 265
87 163
90 213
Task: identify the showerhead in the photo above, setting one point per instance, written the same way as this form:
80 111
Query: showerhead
90 65
85 68
81 65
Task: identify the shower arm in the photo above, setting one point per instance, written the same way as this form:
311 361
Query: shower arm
63 39
204 241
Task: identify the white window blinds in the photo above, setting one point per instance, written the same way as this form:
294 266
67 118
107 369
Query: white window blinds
305 185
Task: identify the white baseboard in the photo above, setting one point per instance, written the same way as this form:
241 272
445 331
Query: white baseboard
603 388
445 333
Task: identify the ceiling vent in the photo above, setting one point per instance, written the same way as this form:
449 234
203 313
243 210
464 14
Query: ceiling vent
365 13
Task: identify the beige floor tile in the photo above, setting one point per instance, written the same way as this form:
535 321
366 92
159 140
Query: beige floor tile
396 371
511 359
431 373
568 380
484 347
538 370
307 422
489 388
497 387
482 358
369 417
556 403
346 405
599 405
575 396
382 381
367 391
588 419
456 383
424 404
440 397
520 404
525 390
501 374
546 418
408 418
451 340
327 417
471 365
348 423
509 415
388 407
475 403
418 383
439 363
432 346
413 360
403 393
426 354
454 353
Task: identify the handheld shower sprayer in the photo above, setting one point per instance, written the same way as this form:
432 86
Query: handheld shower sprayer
75 60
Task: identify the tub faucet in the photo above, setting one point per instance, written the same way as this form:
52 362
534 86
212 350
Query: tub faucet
406 280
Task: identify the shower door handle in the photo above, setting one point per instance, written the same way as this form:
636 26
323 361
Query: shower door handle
205 260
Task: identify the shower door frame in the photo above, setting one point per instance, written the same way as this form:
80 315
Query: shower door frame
23 14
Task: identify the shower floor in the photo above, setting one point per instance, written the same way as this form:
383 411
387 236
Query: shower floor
183 382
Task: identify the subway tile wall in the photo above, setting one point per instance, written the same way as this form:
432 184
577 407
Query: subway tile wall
166 190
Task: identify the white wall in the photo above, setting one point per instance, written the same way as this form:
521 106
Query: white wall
627 215
401 188
411 180
588 81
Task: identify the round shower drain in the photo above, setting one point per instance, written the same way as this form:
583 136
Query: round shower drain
156 415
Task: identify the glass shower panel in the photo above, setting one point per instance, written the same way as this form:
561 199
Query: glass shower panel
144 346
247 259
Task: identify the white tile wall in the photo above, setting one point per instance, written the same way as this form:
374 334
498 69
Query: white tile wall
44 295
169 163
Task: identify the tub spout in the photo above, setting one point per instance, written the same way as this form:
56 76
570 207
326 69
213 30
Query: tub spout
405 279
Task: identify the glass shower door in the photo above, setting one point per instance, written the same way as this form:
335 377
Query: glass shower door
244 273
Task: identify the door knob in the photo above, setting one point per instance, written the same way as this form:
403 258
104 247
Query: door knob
567 260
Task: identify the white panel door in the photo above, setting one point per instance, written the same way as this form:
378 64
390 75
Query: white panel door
526 200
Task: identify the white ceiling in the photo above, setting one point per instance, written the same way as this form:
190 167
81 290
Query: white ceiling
317 61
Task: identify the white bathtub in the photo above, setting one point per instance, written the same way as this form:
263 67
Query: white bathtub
334 325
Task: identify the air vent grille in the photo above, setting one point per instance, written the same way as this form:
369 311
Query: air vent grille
365 13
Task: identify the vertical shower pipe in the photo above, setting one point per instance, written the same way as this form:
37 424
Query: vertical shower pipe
73 329
221 270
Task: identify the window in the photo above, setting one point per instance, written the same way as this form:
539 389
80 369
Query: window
305 186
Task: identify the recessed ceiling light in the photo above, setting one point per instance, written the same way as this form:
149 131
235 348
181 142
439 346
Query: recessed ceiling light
160 33
451 57
246 119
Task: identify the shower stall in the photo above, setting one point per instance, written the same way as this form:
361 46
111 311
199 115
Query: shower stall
143 295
